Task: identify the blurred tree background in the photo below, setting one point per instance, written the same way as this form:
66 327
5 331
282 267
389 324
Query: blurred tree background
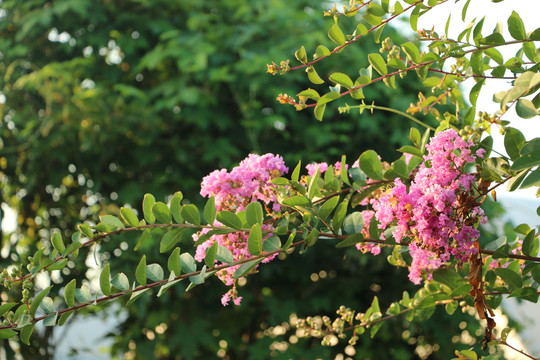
103 101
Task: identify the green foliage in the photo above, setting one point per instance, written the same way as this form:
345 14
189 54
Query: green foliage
133 93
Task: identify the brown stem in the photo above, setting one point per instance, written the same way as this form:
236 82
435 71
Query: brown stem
516 349
339 48
155 284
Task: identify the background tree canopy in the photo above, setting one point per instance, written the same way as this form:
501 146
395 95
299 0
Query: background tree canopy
104 101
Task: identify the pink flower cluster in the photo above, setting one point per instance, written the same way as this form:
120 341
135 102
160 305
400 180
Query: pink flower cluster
312 168
233 191
248 182
437 212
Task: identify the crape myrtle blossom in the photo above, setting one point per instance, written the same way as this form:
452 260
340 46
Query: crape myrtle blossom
312 168
233 191
430 213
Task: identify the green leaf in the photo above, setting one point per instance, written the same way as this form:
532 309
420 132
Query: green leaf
477 32
148 202
530 51
224 255
176 207
353 223
69 293
22 320
413 54
162 213
104 280
135 295
301 55
57 242
408 149
245 268
464 10
26 332
297 200
475 91
516 27
254 213
339 216
312 237
255 240
493 39
336 35
511 278
313 185
121 282
414 17
191 214
144 236
47 304
396 8
326 98
513 142
526 293
313 76
319 111
168 284
7 333
535 35
379 32
378 63
531 146
494 55
170 239
50 320
497 243
327 207
342 79
210 257
526 161
310 94
37 301
210 211
361 30
476 63
86 230
376 9
535 272
271 244
188 263
321 51
532 180
112 222
229 219
4 308
526 109
173 263
502 252
351 240
140 272
296 172
371 165
530 244
290 240
83 294
448 277
129 216
64 317
155 272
